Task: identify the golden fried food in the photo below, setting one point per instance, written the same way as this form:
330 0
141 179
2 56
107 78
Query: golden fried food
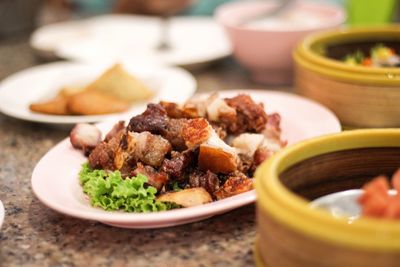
114 91
95 103
55 106
188 197
120 84
68 91
216 159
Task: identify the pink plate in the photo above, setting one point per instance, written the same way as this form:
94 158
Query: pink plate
55 177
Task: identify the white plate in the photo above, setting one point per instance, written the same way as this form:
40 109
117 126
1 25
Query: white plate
1 214
108 38
41 82
55 177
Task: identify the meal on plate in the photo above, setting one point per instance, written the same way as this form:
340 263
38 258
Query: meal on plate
380 56
175 155
376 201
114 91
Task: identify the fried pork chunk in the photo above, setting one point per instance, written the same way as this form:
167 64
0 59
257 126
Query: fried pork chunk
236 115
151 149
85 136
142 147
115 130
214 154
196 132
102 156
154 177
250 116
179 163
206 179
235 184
156 121
122 150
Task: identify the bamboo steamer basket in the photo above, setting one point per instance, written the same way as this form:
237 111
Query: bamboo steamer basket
360 96
292 234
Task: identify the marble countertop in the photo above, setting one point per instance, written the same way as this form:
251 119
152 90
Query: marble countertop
34 235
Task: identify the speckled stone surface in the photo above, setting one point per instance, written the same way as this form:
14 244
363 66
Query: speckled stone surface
34 235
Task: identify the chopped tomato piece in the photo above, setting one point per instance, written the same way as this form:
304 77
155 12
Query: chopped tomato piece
393 209
396 181
376 200
375 207
379 185
367 62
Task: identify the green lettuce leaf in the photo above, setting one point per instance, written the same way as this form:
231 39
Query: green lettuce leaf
110 191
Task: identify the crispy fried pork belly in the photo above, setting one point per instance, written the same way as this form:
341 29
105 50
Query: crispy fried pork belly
246 164
173 133
151 149
248 143
262 154
218 110
85 136
208 180
155 178
102 156
216 159
268 147
178 164
124 150
115 129
154 120
173 110
236 183
251 117
188 197
124 157
195 108
196 132
190 110
144 147
215 155
273 129
272 144
221 132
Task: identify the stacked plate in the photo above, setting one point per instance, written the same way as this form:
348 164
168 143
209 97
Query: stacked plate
110 38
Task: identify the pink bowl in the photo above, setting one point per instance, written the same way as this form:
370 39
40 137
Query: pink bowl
267 52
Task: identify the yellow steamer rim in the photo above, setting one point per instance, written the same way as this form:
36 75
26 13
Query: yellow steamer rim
293 212
310 55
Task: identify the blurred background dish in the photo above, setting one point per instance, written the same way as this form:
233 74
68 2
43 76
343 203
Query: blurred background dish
265 47
20 90
361 96
110 38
